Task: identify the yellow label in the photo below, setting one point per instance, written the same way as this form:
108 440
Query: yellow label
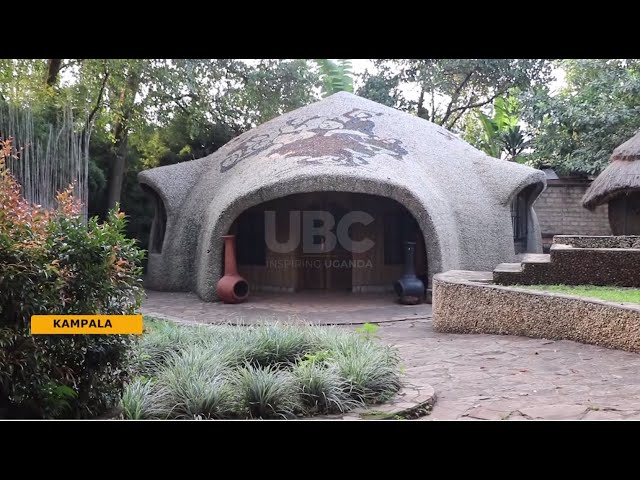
86 324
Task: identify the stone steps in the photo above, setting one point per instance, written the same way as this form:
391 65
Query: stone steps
529 258
570 265
507 273
508 268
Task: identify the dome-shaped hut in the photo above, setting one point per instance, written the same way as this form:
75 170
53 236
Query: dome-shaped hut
377 176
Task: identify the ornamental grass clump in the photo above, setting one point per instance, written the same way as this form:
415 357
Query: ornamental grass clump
259 371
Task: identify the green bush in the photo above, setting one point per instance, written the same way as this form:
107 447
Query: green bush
323 389
52 262
197 385
143 399
259 371
267 392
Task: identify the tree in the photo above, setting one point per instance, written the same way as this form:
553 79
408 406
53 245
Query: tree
451 88
229 93
123 110
383 86
140 113
267 89
577 129
52 71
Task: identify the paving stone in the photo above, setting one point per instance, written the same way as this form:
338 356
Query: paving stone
463 369
484 413
555 412
603 415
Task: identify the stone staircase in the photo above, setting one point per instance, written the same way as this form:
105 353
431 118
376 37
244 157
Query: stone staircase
577 260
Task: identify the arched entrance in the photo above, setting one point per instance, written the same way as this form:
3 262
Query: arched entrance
338 241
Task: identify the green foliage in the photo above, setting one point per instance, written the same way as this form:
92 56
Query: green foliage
50 262
274 344
383 87
577 128
268 89
264 371
141 399
368 330
451 88
370 369
60 399
319 357
322 388
267 392
500 133
196 384
336 76
153 112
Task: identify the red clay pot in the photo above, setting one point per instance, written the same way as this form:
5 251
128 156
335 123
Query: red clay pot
231 288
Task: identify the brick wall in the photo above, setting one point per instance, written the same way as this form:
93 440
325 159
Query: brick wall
560 212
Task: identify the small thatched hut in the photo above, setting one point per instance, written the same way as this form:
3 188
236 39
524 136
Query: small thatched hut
619 185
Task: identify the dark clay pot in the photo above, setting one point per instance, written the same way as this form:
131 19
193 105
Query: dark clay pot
231 288
409 288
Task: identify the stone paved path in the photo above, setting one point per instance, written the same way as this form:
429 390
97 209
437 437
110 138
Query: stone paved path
496 377
315 307
489 377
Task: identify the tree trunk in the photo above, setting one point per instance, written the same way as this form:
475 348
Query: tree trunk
116 173
121 136
422 112
52 72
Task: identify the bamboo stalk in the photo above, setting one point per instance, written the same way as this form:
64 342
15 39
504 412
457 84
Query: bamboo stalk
49 163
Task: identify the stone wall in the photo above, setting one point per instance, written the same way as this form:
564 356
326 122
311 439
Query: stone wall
560 212
466 302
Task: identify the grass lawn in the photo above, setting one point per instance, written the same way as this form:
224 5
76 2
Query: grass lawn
611 294
263 371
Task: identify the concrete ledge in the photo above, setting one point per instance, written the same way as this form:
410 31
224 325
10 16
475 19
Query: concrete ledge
411 402
612 241
468 302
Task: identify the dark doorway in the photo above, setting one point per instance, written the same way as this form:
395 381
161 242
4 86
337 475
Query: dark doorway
329 269
322 266
520 219
159 223
624 214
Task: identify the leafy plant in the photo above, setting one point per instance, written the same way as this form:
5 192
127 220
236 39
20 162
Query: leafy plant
578 126
370 370
368 330
51 262
266 392
142 400
59 399
317 358
336 76
197 385
501 133
323 390
273 344
259 371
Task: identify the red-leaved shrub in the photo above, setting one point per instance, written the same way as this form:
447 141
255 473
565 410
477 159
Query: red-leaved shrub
51 262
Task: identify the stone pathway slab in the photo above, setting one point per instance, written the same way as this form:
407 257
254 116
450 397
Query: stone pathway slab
493 377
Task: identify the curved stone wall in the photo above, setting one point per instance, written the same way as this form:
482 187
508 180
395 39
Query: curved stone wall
468 302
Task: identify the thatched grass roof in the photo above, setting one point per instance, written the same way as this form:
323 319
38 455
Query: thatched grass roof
621 176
